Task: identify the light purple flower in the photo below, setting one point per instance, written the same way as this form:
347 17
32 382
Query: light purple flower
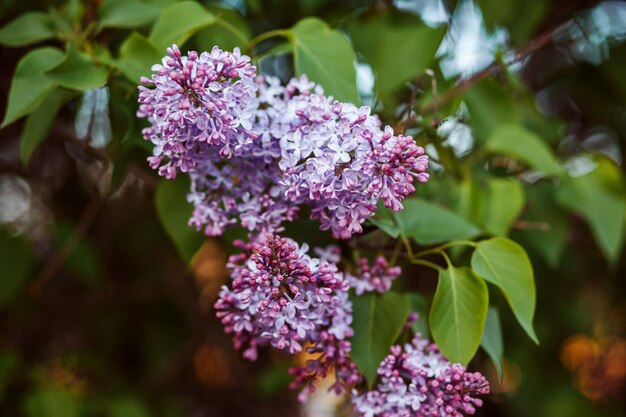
195 103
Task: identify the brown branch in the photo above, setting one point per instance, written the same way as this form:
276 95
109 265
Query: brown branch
493 69
56 261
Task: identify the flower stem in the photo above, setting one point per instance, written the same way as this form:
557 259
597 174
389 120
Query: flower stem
264 36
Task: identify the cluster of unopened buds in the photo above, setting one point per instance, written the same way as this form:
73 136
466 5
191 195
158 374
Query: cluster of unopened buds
256 152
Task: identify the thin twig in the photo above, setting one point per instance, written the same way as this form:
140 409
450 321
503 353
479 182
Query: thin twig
56 261
495 68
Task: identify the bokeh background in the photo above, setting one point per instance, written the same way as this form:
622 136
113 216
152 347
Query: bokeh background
100 315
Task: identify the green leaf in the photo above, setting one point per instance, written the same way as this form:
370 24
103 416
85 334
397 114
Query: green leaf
549 242
520 18
30 86
521 144
458 313
16 264
428 223
600 197
505 264
490 106
326 57
492 340
470 200
78 71
379 40
273 380
51 402
137 56
27 29
127 14
178 22
174 212
505 200
377 323
230 31
419 305
384 220
39 122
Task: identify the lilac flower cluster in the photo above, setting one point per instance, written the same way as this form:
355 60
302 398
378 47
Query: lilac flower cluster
197 102
418 381
376 277
337 159
244 189
282 297
256 150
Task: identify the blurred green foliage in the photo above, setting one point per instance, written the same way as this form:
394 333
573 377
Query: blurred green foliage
106 293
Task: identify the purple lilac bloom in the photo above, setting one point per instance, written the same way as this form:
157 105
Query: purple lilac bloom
419 382
282 297
336 158
198 102
246 186
376 277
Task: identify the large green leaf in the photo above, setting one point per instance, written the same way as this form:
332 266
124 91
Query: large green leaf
230 30
548 241
377 323
600 197
505 200
379 39
458 313
30 86
178 22
127 14
27 29
326 57
523 145
470 200
78 71
492 340
174 212
505 264
137 56
16 262
429 223
38 123
490 106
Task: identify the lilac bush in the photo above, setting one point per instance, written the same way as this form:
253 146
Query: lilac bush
256 152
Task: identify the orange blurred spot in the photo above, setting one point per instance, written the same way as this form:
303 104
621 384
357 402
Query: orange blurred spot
599 366
210 272
59 376
211 366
